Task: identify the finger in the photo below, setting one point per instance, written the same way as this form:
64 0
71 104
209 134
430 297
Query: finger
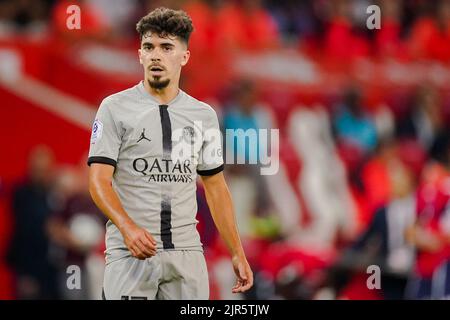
249 282
143 248
246 286
237 290
148 244
150 237
237 287
243 284
133 252
147 249
139 254
138 251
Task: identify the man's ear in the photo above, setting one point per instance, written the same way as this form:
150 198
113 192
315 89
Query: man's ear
140 56
186 56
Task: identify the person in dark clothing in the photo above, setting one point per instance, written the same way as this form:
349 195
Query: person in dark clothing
76 229
383 243
28 252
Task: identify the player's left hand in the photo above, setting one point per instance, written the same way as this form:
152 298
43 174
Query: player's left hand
244 274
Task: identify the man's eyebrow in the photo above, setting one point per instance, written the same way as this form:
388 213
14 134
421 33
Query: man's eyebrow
167 44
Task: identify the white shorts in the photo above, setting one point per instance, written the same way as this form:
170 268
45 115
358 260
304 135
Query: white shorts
174 275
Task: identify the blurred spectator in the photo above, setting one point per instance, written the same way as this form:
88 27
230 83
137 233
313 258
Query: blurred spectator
203 14
382 243
388 39
341 42
376 177
330 209
24 16
230 26
205 42
425 118
295 19
353 124
77 229
246 25
119 15
29 251
430 34
248 187
244 111
431 232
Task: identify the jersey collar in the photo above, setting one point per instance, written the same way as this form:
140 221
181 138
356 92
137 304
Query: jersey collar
146 95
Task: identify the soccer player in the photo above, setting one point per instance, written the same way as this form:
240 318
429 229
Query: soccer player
146 186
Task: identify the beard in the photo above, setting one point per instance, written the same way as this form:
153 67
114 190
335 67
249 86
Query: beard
158 84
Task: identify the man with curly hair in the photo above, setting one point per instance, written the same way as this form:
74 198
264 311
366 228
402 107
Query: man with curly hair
148 145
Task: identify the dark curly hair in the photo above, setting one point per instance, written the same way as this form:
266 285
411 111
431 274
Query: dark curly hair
166 22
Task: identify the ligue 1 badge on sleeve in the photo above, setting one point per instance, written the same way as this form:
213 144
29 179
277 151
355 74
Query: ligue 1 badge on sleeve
97 129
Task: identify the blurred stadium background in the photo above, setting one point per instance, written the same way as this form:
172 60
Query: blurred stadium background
363 118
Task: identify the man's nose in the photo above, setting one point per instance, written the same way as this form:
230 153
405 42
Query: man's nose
155 55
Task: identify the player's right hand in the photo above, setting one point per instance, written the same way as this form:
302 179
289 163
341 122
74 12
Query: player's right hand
139 241
243 273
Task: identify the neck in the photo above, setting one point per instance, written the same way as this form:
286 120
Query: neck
164 96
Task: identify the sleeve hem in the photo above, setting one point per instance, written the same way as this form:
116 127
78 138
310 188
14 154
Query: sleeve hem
211 172
104 160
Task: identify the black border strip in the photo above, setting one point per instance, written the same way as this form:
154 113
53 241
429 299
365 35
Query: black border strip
211 172
104 160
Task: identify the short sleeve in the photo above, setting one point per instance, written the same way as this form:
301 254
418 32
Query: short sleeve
105 137
211 155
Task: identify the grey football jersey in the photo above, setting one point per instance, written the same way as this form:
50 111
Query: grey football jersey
157 151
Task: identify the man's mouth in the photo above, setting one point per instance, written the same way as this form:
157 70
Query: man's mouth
156 69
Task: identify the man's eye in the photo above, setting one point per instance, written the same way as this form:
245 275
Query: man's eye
167 48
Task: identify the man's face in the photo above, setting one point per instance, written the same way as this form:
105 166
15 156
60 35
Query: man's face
162 58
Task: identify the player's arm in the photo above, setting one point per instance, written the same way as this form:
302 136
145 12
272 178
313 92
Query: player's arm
220 204
138 240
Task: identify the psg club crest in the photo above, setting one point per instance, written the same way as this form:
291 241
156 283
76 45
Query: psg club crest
189 134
